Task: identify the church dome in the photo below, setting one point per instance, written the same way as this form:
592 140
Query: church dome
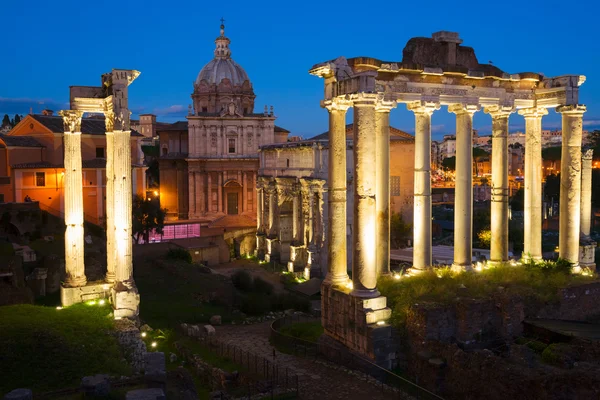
222 66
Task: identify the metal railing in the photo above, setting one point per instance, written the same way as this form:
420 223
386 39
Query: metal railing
262 375
385 379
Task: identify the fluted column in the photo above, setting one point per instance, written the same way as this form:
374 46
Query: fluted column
463 199
586 192
382 184
272 202
364 258
500 195
110 202
422 187
295 216
73 203
123 207
570 182
532 246
337 271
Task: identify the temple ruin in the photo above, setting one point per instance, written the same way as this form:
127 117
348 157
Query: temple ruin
110 99
434 72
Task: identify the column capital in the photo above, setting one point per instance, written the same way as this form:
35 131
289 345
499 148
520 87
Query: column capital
365 99
423 107
533 112
336 104
71 120
572 109
462 108
499 111
109 120
587 155
382 105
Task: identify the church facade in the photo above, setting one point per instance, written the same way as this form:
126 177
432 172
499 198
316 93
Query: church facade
208 164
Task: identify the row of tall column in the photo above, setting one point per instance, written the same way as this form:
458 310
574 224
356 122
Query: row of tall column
202 189
370 242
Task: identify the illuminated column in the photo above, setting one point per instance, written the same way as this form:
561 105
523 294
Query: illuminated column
382 184
463 199
272 202
201 193
295 216
74 245
192 195
586 192
337 271
220 192
499 203
532 246
259 209
364 259
422 176
570 182
110 191
123 208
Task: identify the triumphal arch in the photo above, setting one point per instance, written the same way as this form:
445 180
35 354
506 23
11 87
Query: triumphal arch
434 72
110 99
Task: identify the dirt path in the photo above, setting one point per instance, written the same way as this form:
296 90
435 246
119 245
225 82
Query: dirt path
316 380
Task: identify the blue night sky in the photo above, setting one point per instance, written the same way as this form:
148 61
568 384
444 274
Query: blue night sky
51 45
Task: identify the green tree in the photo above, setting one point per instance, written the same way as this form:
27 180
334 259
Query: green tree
147 215
449 163
517 203
551 153
16 120
6 120
400 231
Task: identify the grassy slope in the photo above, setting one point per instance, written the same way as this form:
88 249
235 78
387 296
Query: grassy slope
171 292
444 286
310 331
44 349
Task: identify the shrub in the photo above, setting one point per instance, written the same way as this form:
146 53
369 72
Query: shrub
179 254
286 301
255 304
262 286
242 281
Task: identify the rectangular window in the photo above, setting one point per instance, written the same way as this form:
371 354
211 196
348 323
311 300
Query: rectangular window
40 179
232 145
394 186
99 152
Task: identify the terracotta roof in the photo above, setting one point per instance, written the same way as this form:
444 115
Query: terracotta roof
39 164
89 125
280 129
20 141
395 134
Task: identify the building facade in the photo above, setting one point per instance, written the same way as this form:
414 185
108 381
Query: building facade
32 164
209 164
293 194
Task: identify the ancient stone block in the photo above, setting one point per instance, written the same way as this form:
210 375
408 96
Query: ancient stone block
19 394
155 370
376 303
97 385
126 302
209 330
372 317
91 291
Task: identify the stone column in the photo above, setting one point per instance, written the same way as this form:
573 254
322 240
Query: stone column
532 248
201 193
74 244
110 202
586 192
295 216
259 209
422 194
463 199
382 184
123 208
570 182
337 271
192 195
500 195
220 192
364 258
272 201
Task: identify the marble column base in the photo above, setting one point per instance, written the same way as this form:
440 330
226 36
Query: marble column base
91 291
125 300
